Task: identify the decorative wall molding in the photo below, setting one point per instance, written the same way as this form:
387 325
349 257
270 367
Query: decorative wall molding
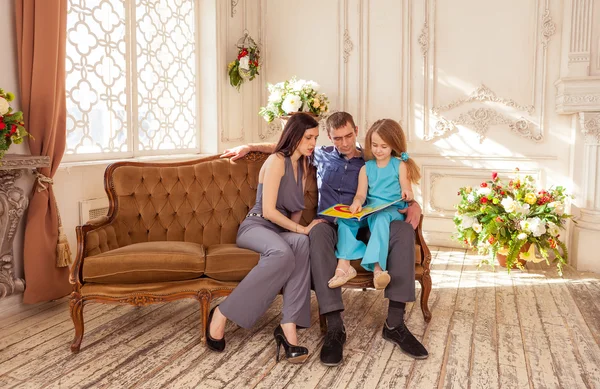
433 175
578 94
433 178
591 128
234 3
443 126
348 45
482 94
424 39
548 27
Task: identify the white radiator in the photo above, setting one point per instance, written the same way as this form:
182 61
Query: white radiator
92 208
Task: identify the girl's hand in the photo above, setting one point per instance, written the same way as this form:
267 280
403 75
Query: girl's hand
407 195
306 230
355 207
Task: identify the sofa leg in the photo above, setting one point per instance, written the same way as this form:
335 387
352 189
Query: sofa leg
425 282
323 323
204 297
76 309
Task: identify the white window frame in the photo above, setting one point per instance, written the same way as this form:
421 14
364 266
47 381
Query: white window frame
131 91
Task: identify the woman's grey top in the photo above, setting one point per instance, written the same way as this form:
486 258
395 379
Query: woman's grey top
290 197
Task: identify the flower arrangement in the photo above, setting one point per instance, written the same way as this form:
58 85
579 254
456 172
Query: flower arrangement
247 64
11 123
294 95
508 219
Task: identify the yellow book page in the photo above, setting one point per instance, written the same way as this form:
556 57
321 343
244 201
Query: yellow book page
342 211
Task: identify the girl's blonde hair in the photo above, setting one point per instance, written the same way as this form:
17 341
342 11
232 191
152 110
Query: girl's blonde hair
390 131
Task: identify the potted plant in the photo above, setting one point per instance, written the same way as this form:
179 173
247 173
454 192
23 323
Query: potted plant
11 123
292 96
511 221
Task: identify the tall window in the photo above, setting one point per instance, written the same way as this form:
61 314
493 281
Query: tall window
131 78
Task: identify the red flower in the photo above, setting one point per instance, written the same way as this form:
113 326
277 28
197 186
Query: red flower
503 193
484 200
13 129
499 219
491 239
483 185
510 183
494 176
2 126
458 193
552 243
517 185
243 53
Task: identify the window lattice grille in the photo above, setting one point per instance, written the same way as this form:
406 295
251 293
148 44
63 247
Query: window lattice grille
131 77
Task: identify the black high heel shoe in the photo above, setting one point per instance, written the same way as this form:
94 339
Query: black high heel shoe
213 344
294 354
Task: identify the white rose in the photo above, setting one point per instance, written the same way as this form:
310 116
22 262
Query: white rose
484 191
3 106
298 85
312 85
553 229
291 103
275 96
470 198
559 207
245 63
522 236
477 227
509 204
522 208
467 222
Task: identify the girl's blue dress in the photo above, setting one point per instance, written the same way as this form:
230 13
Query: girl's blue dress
384 187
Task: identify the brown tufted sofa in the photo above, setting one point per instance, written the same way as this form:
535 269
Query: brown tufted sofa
170 234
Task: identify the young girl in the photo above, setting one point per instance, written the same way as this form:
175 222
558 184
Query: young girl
386 177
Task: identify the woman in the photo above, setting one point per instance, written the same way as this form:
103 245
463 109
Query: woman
272 229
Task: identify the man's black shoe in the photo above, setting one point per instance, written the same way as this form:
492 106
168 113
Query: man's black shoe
405 340
332 352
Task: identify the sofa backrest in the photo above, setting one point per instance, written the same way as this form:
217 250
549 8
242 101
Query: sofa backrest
202 201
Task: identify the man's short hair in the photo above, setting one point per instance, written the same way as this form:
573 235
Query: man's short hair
338 120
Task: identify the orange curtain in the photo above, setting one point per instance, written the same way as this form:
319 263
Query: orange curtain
41 39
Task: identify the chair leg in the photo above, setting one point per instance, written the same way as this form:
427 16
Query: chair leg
323 323
76 309
425 282
204 298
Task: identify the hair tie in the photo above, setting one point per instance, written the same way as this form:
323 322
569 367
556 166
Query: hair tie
404 156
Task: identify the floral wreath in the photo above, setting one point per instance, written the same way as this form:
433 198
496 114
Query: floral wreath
247 64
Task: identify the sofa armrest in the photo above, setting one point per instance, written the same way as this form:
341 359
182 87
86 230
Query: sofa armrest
425 253
96 236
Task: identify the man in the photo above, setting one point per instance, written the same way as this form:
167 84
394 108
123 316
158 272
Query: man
338 167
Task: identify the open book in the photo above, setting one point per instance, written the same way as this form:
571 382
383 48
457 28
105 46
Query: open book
342 211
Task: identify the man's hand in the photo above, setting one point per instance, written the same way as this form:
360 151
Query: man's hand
413 214
236 152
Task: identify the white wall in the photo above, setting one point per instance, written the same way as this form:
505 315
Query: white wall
418 62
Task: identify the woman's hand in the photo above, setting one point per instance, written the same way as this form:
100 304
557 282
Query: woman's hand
407 195
355 207
306 230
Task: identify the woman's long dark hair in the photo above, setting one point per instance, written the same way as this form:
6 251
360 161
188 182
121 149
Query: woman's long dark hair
293 133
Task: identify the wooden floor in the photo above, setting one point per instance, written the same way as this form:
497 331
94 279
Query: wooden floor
489 330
